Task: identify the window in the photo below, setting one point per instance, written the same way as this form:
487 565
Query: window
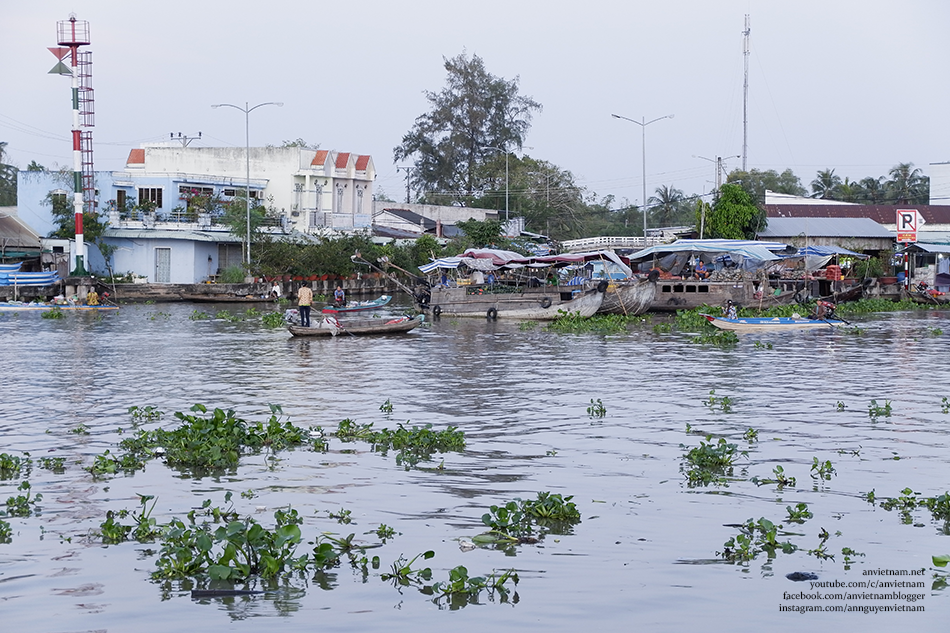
230 193
151 194
196 191
120 199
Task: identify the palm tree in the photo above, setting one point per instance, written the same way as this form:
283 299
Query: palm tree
667 205
872 190
907 185
826 185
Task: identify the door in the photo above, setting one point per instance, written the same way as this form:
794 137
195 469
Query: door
163 265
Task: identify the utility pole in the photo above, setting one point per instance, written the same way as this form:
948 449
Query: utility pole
183 139
745 94
407 170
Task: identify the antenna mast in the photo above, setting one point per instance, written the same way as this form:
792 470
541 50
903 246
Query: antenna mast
745 93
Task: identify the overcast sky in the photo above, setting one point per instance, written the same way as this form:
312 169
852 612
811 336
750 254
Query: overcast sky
854 86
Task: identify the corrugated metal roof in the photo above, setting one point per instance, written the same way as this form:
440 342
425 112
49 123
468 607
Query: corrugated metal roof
823 227
881 213
14 233
166 234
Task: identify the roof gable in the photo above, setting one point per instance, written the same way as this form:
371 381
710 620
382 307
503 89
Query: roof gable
136 157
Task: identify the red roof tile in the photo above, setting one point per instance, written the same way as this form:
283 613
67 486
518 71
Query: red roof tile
136 157
320 159
342 159
361 163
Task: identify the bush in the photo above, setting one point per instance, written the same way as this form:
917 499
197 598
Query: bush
232 275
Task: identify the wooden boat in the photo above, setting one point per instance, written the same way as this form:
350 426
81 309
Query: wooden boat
330 326
18 306
544 303
629 297
223 297
356 306
760 324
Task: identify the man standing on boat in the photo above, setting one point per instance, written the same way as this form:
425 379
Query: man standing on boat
304 301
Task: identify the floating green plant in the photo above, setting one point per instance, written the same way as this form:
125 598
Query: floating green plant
199 315
781 479
761 345
23 505
945 405
754 538
55 313
384 532
342 517
822 470
839 406
386 407
719 338
12 465
145 414
55 464
402 573
821 552
461 589
6 532
875 410
549 512
524 326
573 323
721 403
273 320
82 429
596 409
799 514
750 435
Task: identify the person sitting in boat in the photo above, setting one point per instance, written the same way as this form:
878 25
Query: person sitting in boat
445 280
729 310
490 279
92 298
339 297
823 310
275 291
701 271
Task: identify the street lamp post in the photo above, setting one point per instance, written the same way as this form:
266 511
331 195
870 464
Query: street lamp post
643 126
247 149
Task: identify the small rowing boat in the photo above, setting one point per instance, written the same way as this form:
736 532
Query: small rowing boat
356 306
330 326
759 324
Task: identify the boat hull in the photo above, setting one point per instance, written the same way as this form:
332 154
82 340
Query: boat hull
684 294
359 306
367 327
538 304
223 298
770 324
629 297
45 307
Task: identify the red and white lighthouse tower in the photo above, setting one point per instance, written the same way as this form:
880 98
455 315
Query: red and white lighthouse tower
70 35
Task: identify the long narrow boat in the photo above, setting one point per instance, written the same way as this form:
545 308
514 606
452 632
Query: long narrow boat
221 297
329 326
17 306
356 306
760 324
498 301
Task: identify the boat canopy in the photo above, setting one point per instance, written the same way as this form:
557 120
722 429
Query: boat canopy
744 254
491 259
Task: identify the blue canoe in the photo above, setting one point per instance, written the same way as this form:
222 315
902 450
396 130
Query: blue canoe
753 324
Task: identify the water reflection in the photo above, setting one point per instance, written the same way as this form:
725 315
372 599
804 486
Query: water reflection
521 398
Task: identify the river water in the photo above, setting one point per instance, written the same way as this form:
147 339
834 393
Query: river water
644 556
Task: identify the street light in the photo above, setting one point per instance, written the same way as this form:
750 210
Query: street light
643 126
247 149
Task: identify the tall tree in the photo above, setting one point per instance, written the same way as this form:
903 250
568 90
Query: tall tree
756 183
872 190
667 205
472 119
7 180
734 216
907 185
826 185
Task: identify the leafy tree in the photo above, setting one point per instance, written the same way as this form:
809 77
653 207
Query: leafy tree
547 197
35 166
299 142
756 182
482 233
424 249
734 216
826 185
907 185
7 180
474 113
